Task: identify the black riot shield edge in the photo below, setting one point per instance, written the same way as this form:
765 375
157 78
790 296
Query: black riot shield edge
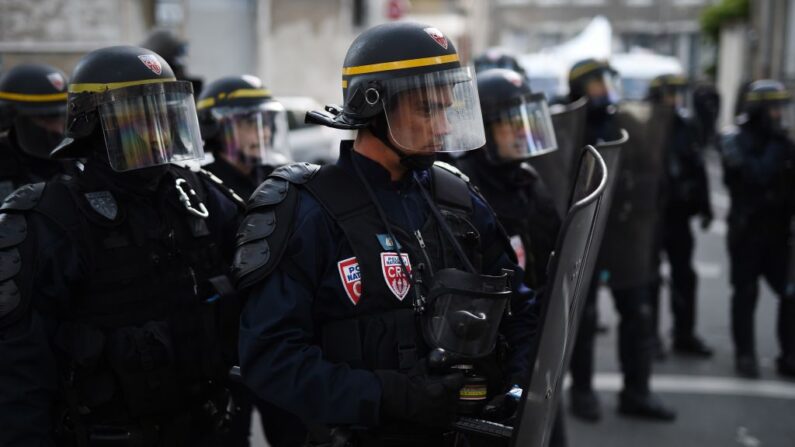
570 266
790 289
557 168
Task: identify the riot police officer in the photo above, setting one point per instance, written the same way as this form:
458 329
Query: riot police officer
597 81
518 127
116 323
246 130
686 193
32 110
758 160
358 275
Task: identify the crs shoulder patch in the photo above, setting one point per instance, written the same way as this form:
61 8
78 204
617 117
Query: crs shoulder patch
351 277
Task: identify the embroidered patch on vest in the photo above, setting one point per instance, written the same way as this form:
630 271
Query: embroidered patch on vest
396 280
351 277
103 203
387 243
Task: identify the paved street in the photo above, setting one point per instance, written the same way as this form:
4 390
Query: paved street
715 408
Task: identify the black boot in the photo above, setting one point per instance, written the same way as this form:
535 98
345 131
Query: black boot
747 366
585 405
645 406
692 346
786 367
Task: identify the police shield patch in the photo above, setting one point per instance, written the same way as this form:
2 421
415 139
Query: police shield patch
151 63
351 277
396 280
103 203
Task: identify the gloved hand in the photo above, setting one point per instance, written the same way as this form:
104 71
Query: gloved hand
502 408
420 396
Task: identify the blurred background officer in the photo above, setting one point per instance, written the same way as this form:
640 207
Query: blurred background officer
686 194
518 127
706 107
758 168
175 51
32 111
246 130
358 273
116 323
597 80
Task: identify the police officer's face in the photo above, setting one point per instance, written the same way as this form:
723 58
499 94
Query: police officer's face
251 137
418 121
509 139
596 88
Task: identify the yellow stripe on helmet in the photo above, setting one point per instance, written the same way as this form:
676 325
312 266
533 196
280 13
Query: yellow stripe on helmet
767 96
400 65
249 93
100 87
585 69
33 97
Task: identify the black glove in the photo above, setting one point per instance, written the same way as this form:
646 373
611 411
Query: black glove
502 408
420 397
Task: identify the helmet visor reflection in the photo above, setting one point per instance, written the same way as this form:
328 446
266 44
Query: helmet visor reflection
150 125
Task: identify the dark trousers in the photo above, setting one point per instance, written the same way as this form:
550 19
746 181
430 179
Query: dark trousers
678 245
636 338
759 251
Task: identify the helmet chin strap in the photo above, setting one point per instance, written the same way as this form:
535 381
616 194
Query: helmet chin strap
413 162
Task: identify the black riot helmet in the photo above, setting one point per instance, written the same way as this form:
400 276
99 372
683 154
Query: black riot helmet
33 105
498 58
767 107
671 90
242 122
130 95
518 123
175 51
406 83
595 79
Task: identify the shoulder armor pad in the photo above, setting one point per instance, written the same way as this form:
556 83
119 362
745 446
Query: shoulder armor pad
452 169
10 300
13 230
24 198
263 234
271 192
298 173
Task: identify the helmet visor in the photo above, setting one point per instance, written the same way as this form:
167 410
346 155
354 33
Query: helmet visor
522 130
255 135
603 87
150 125
434 112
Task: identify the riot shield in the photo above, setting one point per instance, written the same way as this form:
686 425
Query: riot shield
557 168
790 288
571 267
629 247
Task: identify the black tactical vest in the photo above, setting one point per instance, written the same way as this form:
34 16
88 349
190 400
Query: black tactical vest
381 331
151 333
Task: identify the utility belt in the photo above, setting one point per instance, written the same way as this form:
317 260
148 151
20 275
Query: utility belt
206 420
